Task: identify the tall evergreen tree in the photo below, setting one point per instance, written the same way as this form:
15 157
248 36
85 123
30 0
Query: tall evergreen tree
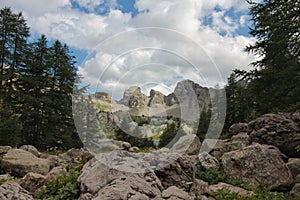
13 35
276 78
35 88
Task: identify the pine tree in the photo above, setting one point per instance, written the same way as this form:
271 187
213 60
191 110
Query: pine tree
35 88
276 78
13 46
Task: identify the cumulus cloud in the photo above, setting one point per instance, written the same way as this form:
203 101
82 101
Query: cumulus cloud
183 44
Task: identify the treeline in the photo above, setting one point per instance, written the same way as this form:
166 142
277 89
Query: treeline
37 81
273 84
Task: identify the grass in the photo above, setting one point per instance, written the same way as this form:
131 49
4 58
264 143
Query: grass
260 195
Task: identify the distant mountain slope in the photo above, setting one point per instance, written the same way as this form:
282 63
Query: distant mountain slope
187 100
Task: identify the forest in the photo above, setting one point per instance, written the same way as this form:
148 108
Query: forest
38 78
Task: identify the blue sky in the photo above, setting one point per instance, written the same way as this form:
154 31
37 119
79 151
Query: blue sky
115 48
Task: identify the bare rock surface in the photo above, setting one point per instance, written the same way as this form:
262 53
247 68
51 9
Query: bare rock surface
19 162
13 191
188 144
280 130
208 162
118 180
230 188
32 182
174 193
260 165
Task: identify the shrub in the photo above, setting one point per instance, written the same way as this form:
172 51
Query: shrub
261 195
63 188
214 177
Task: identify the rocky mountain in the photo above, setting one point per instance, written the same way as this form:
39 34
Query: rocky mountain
187 96
184 92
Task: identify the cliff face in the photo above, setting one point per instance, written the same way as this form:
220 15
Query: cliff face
186 93
133 97
185 102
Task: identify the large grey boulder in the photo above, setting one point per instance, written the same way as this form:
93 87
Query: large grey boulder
238 128
4 149
280 130
208 162
118 175
174 193
260 165
230 188
200 187
294 165
13 191
31 149
188 144
179 171
295 191
19 162
32 182
215 147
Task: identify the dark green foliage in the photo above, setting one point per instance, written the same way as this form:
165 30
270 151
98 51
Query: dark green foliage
203 124
63 188
259 195
214 177
171 134
36 86
135 137
10 128
275 81
141 120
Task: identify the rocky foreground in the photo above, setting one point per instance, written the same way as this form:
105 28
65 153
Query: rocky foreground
262 154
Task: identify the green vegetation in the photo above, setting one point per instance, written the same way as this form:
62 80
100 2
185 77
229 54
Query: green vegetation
141 120
214 177
37 80
171 134
63 188
203 124
101 107
273 84
260 195
135 137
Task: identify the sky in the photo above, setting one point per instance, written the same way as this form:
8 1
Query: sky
148 43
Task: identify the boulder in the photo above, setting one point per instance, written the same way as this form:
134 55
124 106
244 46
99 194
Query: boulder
32 182
295 192
238 128
12 191
208 162
73 157
200 187
215 147
121 177
178 172
126 145
238 141
4 177
31 149
174 193
280 130
294 165
230 188
188 144
55 173
260 165
19 162
4 149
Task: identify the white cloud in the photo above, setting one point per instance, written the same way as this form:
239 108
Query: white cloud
33 8
155 57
